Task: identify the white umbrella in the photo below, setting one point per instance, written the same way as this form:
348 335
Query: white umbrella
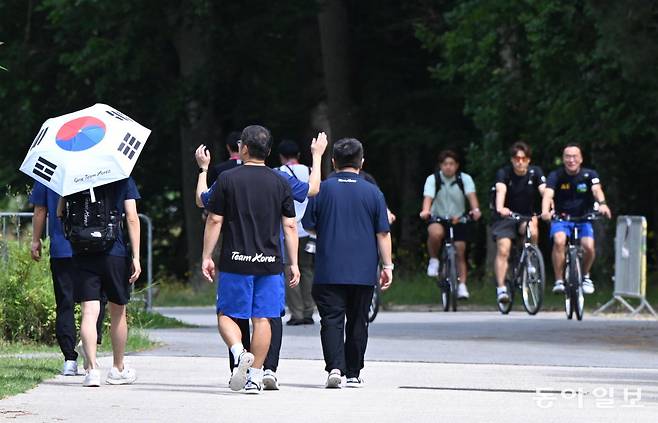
85 149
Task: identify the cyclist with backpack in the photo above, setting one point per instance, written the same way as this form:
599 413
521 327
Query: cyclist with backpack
446 194
518 189
573 189
92 222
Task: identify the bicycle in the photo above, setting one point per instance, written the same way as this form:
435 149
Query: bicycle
574 298
448 279
525 271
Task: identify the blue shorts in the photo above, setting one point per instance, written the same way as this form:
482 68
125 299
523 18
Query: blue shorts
246 296
585 229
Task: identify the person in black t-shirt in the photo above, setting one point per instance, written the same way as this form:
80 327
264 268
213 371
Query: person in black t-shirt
573 190
233 160
251 203
519 187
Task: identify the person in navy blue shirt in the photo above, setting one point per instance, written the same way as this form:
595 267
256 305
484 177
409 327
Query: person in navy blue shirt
64 274
111 272
573 190
300 192
351 223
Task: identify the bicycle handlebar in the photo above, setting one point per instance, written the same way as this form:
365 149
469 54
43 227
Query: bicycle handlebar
449 220
520 217
588 217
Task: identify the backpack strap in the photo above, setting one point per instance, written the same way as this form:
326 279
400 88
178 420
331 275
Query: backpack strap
438 181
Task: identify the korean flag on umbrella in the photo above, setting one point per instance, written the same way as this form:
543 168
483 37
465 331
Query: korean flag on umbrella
85 149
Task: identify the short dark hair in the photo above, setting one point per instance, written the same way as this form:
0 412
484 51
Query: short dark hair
574 144
288 149
258 140
520 146
448 154
232 141
348 152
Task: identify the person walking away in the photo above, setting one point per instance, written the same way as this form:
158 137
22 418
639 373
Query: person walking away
350 219
106 266
251 203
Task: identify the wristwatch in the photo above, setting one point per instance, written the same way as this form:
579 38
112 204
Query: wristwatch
388 266
201 170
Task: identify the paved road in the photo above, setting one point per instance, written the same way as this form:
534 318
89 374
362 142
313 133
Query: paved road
463 337
422 367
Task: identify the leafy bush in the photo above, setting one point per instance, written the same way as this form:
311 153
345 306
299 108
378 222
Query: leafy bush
27 308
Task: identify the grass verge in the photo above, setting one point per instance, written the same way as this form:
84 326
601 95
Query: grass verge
24 365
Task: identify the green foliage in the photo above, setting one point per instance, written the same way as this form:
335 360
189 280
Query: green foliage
27 310
20 374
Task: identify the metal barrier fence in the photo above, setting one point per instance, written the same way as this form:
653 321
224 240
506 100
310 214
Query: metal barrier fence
630 264
7 219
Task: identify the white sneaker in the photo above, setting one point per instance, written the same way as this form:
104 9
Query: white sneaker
502 295
462 292
588 285
354 382
334 379
93 378
433 268
270 382
252 387
239 375
70 368
125 377
558 288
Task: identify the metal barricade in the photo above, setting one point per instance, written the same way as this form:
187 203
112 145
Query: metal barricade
630 264
7 219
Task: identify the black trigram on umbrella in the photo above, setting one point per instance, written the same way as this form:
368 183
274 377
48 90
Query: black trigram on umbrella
118 115
129 146
44 169
39 137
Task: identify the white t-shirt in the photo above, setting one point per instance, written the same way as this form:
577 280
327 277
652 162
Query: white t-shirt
302 173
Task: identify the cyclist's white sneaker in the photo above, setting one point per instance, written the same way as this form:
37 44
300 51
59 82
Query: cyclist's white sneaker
558 288
433 268
462 292
502 295
92 379
334 379
270 382
124 377
354 382
588 285
70 368
239 375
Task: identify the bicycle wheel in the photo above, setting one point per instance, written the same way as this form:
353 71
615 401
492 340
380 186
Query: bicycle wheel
577 295
451 268
444 285
374 303
568 303
533 280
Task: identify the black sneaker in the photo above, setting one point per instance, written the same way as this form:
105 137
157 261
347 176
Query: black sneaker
308 321
294 322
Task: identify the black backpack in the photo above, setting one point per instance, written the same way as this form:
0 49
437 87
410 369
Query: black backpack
92 227
438 182
508 170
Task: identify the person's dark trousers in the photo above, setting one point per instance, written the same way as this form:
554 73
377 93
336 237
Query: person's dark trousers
343 344
64 273
272 359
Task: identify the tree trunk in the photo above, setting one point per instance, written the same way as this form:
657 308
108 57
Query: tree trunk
196 127
334 39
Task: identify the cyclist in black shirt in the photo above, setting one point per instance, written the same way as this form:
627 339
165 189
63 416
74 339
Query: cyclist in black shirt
519 187
573 189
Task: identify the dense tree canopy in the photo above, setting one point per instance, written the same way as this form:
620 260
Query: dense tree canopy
407 78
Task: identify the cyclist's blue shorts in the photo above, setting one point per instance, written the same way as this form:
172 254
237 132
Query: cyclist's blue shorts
246 296
585 229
